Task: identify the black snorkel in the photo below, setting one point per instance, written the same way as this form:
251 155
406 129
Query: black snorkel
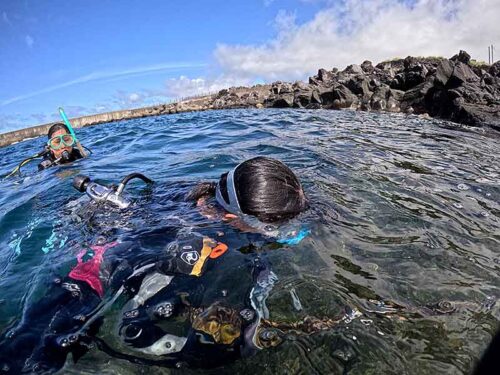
107 194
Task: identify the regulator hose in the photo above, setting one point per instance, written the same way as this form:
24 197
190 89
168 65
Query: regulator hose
26 161
129 177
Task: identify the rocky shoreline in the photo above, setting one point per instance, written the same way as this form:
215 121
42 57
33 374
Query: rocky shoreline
455 89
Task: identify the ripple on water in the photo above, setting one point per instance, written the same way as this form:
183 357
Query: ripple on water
400 274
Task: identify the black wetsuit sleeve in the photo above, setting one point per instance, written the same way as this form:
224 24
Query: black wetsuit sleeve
45 334
45 163
76 154
49 328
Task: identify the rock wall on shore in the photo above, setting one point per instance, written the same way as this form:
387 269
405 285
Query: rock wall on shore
451 89
454 89
197 104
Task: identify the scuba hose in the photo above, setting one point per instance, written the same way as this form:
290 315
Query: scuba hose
26 161
131 176
88 149
109 194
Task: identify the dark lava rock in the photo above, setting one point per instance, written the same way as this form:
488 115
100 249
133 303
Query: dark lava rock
495 69
444 72
324 75
314 106
462 57
343 98
461 74
359 85
283 101
353 69
451 89
379 98
367 67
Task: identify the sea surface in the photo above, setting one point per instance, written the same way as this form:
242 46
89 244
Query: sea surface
399 275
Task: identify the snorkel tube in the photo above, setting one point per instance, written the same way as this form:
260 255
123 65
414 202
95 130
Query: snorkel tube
72 132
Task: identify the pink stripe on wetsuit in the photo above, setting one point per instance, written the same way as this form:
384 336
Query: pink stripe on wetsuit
89 271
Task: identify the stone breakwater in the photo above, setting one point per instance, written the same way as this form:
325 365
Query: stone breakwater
454 89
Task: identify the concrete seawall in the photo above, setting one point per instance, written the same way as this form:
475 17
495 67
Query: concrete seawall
196 104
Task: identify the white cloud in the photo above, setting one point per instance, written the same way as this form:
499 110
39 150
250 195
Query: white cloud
102 76
29 41
285 21
5 18
356 30
184 86
134 97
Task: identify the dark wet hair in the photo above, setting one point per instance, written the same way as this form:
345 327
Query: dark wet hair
266 188
57 126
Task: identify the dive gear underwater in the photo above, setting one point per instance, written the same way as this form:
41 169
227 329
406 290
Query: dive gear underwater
189 256
101 193
89 271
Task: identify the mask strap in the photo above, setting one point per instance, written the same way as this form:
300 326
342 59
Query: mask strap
232 206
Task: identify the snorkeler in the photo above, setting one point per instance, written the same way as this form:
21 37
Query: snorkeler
260 195
60 147
178 306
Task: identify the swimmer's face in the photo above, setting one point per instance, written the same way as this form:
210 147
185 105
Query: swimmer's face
215 212
57 153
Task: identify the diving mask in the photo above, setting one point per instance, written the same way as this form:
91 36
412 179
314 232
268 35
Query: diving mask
291 233
60 141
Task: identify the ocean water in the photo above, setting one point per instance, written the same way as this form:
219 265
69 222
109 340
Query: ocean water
400 273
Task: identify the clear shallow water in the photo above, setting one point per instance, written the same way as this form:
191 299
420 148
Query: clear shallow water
403 262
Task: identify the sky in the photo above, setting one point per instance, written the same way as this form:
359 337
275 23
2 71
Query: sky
92 56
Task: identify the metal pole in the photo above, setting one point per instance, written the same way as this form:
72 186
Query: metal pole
489 56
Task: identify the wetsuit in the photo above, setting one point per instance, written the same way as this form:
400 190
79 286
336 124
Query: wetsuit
163 289
49 160
202 321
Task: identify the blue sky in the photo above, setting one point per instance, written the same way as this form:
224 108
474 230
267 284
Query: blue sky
94 56
89 55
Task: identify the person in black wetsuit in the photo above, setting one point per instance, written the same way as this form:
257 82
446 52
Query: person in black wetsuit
177 309
224 307
60 147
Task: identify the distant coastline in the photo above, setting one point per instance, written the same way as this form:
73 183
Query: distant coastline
195 104
456 89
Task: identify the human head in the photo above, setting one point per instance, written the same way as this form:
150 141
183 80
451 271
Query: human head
54 131
265 188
